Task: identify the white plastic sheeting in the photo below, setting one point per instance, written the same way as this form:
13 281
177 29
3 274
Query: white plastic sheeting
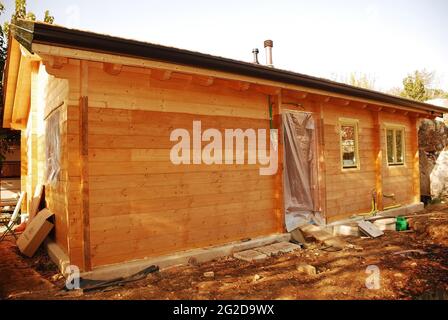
300 170
439 176
53 148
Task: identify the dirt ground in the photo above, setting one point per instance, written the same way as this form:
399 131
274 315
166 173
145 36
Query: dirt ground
419 274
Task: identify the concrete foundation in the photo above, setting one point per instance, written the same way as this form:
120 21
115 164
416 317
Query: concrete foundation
198 255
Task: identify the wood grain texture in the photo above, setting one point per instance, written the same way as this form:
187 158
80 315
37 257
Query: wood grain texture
84 157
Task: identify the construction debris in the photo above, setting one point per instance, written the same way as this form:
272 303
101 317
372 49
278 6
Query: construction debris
370 229
306 268
410 251
388 224
95 285
35 233
321 235
297 236
257 278
250 255
266 251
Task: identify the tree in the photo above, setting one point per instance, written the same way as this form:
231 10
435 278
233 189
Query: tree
48 18
355 79
7 137
21 13
414 86
419 86
11 137
362 80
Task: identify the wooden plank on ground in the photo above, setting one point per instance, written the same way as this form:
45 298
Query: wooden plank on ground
370 229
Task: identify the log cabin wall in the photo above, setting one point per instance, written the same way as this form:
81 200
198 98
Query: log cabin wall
69 198
349 191
399 180
141 205
48 94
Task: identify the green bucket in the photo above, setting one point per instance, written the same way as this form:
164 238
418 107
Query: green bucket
401 224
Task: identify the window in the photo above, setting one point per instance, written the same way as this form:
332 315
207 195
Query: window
395 146
349 144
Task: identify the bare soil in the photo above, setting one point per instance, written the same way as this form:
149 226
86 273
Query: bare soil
340 275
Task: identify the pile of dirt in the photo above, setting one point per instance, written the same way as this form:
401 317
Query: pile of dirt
411 265
431 228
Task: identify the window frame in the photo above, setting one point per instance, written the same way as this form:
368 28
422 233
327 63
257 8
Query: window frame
395 128
355 124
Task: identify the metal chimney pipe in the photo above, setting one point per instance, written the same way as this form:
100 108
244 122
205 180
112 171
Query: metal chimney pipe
256 52
268 45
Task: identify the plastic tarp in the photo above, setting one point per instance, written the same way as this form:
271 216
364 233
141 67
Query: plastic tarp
439 177
300 170
52 146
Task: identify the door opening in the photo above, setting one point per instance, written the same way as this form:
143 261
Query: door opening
300 176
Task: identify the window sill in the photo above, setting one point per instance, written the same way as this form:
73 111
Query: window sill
394 165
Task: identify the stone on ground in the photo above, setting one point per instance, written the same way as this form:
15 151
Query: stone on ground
306 268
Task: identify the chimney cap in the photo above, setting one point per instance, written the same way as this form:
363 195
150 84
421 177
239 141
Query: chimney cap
255 50
269 43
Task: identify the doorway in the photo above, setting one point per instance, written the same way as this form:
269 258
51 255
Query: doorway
300 175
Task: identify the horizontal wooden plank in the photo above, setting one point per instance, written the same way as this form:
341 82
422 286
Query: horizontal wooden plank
183 178
156 192
132 168
112 208
135 227
155 246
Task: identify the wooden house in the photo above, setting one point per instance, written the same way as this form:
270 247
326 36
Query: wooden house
96 114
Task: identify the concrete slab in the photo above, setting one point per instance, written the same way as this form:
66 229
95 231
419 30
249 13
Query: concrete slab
277 248
346 230
268 250
250 255
199 255
285 247
386 224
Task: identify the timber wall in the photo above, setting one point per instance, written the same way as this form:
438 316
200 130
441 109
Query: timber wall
141 205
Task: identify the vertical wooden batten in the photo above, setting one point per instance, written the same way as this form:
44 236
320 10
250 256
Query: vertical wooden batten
276 102
84 155
322 184
415 159
378 159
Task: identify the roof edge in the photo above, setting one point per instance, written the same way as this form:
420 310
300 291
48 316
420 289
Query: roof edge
29 32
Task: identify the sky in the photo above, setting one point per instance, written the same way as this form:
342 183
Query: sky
384 39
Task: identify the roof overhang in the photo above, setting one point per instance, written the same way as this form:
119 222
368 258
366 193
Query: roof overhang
32 33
